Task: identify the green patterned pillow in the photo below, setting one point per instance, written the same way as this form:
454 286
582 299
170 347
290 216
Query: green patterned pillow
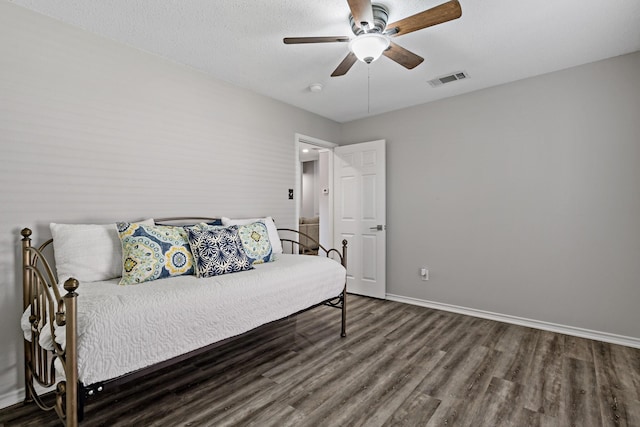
255 240
151 252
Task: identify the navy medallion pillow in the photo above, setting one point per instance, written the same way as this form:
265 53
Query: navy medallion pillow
217 250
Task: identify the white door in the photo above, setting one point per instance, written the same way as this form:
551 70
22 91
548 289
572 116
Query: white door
360 215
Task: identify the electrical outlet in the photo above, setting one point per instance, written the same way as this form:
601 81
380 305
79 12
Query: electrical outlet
424 273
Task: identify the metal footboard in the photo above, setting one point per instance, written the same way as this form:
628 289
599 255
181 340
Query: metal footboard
295 246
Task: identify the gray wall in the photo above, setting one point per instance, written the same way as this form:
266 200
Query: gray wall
522 199
93 131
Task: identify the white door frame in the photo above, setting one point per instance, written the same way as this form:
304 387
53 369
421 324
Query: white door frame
297 192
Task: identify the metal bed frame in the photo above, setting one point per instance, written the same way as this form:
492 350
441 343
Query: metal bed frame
49 305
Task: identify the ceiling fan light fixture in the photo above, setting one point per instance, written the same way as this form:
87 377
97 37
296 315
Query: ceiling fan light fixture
368 47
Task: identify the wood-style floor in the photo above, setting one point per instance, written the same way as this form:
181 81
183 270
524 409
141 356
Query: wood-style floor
400 365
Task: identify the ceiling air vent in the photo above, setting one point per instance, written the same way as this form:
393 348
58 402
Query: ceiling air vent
439 81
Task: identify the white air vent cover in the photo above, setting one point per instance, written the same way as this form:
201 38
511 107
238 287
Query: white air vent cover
439 81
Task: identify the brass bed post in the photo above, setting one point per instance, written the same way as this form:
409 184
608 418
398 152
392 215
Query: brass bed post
26 301
344 292
71 353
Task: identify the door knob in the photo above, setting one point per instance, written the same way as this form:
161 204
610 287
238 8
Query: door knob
377 228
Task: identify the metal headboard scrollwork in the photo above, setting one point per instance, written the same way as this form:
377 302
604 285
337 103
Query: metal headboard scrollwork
297 244
48 309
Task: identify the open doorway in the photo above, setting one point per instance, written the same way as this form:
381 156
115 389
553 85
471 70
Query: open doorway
314 188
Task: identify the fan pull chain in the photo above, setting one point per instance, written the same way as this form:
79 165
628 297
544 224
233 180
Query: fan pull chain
368 89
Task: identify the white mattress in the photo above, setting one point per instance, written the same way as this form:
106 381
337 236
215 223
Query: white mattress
125 328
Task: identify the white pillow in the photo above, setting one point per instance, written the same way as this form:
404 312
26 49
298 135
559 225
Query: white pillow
274 238
87 252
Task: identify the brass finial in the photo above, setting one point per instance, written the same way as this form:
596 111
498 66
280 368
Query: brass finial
26 233
71 284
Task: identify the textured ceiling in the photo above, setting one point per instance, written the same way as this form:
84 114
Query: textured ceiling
495 41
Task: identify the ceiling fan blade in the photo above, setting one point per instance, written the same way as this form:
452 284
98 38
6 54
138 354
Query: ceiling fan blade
403 56
361 11
345 65
434 16
298 40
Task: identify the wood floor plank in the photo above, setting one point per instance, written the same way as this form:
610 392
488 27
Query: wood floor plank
373 398
372 360
417 409
499 405
399 365
517 349
492 333
632 413
426 334
628 359
463 373
523 417
580 394
578 348
460 381
450 412
615 387
237 406
389 399
453 330
270 415
543 379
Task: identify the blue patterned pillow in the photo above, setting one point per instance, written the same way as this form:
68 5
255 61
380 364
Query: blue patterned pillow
217 250
255 240
151 252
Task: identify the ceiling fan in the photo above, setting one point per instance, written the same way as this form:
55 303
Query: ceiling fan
373 35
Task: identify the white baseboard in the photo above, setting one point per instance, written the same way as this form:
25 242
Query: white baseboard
537 324
11 398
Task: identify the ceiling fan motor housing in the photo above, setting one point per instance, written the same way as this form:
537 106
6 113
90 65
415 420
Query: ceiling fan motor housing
380 18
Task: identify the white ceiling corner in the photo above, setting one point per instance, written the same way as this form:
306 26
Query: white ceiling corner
495 41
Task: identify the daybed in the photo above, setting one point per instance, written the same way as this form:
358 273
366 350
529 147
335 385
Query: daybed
98 334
